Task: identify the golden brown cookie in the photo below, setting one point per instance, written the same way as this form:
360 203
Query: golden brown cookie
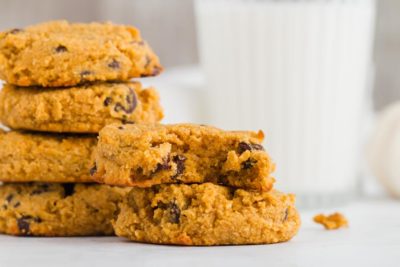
29 157
84 109
145 155
206 214
59 53
41 209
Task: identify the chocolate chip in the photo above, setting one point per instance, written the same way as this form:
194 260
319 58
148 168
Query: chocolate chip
114 64
131 97
155 72
180 165
93 170
42 189
249 163
121 127
36 192
223 180
257 147
16 205
14 31
175 213
126 121
61 49
86 73
164 165
23 224
4 206
69 189
107 101
9 197
286 215
243 146
131 101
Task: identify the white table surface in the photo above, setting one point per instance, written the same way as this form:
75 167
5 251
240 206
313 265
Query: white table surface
373 239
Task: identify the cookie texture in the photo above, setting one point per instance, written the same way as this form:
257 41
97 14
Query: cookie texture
149 154
29 157
44 209
59 53
206 214
84 109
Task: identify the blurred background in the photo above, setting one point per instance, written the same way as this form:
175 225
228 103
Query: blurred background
317 71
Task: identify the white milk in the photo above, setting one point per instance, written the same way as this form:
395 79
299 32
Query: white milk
299 70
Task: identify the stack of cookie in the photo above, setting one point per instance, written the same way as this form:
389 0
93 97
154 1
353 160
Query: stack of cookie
64 82
193 185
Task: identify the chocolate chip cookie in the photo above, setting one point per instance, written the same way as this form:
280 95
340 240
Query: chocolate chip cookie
41 209
84 109
29 157
206 214
59 53
149 154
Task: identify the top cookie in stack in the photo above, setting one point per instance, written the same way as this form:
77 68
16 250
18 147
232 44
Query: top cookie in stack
59 54
66 78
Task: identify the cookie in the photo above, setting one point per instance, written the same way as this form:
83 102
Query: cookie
84 109
146 155
59 53
29 157
45 209
206 214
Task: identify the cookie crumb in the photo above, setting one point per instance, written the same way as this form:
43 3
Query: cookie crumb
331 222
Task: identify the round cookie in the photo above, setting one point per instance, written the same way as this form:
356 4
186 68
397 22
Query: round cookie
206 214
84 109
29 157
40 209
59 53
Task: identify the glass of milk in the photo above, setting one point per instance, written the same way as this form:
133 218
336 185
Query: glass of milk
300 70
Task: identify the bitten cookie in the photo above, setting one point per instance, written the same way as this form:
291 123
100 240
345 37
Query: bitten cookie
28 157
84 109
206 214
59 53
40 209
145 155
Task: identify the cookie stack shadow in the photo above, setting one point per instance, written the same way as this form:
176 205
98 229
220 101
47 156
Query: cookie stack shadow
64 82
